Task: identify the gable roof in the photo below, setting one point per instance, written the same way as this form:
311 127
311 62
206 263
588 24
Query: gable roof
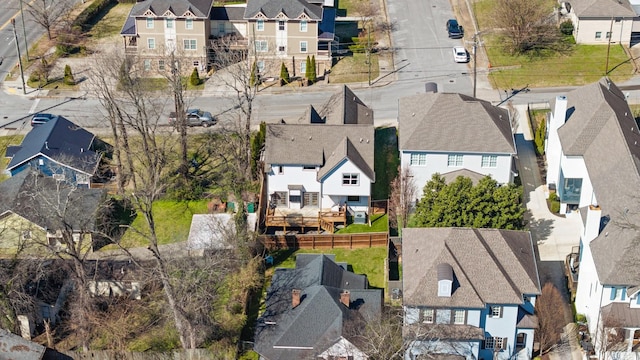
453 122
199 8
603 9
57 204
490 266
601 129
316 323
291 8
229 13
60 140
451 176
342 108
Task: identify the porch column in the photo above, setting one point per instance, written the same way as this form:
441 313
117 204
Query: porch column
630 339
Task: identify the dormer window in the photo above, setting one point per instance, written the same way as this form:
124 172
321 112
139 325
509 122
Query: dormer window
445 279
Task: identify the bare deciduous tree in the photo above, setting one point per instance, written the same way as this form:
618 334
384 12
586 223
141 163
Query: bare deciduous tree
402 196
550 311
47 13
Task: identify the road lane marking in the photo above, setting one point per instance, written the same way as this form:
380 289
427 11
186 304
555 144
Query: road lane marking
13 17
33 107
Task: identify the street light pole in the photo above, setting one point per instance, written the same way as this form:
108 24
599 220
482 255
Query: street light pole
24 30
15 36
475 62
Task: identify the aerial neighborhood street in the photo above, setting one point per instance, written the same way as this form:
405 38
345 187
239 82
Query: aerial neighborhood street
319 179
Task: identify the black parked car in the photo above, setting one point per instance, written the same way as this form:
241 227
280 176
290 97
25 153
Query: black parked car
454 29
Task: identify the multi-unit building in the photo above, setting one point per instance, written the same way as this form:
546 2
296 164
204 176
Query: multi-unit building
592 151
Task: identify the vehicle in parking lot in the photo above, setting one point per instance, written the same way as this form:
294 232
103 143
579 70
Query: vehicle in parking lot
460 54
41 118
195 117
454 29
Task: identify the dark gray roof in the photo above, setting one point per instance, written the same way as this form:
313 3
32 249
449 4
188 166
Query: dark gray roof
56 206
317 322
15 347
291 8
490 266
603 9
621 314
343 107
453 122
601 128
129 27
199 8
229 13
60 140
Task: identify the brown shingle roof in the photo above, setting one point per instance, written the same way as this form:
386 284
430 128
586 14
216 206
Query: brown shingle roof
453 122
489 265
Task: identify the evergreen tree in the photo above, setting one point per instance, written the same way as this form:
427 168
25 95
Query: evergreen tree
284 75
307 69
194 80
253 81
68 76
541 132
312 73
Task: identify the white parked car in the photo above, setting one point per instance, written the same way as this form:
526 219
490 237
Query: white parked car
460 54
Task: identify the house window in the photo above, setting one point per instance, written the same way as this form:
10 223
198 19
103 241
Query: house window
147 65
495 311
160 64
82 179
350 179
260 25
618 293
303 67
303 46
608 35
310 199
41 162
279 198
280 169
281 25
418 160
571 190
459 316
303 26
190 44
262 46
521 340
598 34
188 24
307 167
26 235
454 160
428 316
489 161
151 43
76 237
196 63
353 199
221 28
149 23
260 66
169 23
58 177
295 198
492 342
281 48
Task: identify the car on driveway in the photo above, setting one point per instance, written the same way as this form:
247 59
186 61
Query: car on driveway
41 118
195 117
454 29
460 54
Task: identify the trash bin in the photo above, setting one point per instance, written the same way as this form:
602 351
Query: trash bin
231 206
251 208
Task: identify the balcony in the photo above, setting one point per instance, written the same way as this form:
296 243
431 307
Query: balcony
305 218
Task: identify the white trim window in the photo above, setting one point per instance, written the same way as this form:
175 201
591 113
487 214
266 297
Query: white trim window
418 159
459 316
147 65
428 316
281 25
494 343
260 65
188 24
151 43
260 25
190 44
150 23
495 311
161 65
303 46
489 161
350 179
304 26
454 160
598 34
303 67
262 46
169 23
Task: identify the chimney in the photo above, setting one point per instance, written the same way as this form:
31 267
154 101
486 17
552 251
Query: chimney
295 298
46 145
592 223
345 298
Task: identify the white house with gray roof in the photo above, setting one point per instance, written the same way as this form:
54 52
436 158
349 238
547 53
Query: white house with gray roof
454 134
325 160
592 149
596 22
469 293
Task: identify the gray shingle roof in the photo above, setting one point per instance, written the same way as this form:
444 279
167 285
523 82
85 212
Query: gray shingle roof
603 8
55 205
60 140
453 122
343 107
199 8
601 128
14 347
491 266
291 8
318 321
451 176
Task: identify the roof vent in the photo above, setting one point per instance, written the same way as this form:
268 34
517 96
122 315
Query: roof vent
367 141
46 145
361 139
310 137
413 114
292 138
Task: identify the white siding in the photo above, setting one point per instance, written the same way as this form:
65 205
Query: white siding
585 31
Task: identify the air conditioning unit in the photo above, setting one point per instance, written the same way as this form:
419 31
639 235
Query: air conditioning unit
359 217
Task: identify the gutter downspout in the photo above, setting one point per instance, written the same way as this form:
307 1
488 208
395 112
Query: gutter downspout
599 315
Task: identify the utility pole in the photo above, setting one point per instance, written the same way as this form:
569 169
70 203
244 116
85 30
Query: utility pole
606 67
369 50
15 36
475 62
24 31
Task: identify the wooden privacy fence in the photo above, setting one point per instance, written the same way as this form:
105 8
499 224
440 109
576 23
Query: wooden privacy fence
330 241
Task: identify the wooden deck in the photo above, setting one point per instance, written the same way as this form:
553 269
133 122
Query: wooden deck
322 220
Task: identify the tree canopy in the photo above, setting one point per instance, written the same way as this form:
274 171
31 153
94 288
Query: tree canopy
461 204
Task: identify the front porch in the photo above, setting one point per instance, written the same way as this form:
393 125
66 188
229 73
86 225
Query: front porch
306 218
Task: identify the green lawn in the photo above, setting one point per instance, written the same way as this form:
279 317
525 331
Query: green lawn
379 223
368 261
4 142
173 220
354 69
387 160
110 23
